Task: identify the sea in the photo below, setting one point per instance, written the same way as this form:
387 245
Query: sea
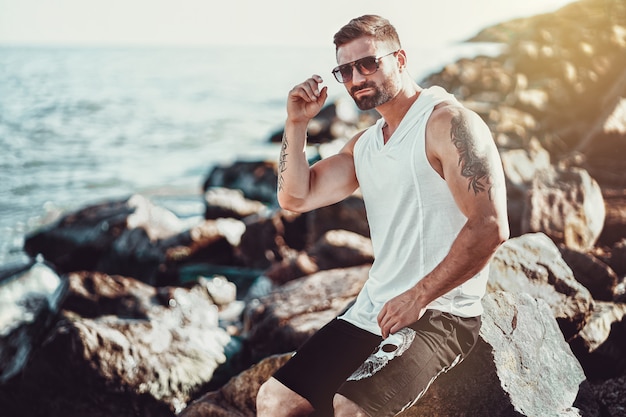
84 124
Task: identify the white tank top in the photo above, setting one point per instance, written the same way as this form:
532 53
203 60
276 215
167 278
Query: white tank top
412 215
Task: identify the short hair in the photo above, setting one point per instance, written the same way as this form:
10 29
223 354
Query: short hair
373 26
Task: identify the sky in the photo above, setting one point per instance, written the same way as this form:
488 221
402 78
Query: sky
250 22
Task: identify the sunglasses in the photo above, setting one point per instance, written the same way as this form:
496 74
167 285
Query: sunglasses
365 66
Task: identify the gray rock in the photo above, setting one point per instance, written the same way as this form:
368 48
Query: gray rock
521 366
532 263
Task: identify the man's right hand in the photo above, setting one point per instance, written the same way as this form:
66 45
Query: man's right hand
306 100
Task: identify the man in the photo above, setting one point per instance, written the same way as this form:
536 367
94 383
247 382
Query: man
433 188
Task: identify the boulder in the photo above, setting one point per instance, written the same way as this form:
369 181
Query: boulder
135 238
566 205
521 366
122 348
611 395
532 264
281 321
335 249
229 203
30 296
255 179
600 346
601 281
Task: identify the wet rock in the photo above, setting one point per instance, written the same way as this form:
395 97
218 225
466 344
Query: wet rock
567 206
533 264
135 351
521 363
283 320
30 296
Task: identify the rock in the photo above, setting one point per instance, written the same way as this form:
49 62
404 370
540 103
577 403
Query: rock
611 395
137 239
521 366
567 206
349 214
618 258
601 344
224 202
521 166
336 249
283 320
238 397
263 241
533 264
126 343
256 179
30 297
601 281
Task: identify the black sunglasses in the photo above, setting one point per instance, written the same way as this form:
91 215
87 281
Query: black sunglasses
365 66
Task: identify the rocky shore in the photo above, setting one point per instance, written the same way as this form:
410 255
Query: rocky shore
127 309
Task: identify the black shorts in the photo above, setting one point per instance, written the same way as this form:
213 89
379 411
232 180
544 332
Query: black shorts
383 377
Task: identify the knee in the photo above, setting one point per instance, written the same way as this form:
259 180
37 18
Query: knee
266 395
344 407
274 399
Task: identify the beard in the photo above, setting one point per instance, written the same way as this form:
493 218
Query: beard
381 94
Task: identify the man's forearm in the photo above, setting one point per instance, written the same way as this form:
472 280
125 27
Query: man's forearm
470 252
293 166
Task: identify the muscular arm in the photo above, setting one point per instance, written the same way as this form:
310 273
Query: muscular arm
460 148
300 187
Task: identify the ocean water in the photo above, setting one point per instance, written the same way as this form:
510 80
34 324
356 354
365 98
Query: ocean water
79 125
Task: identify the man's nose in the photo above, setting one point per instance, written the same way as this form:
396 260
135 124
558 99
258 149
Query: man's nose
357 78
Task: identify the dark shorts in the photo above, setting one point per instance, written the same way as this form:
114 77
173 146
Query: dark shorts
383 377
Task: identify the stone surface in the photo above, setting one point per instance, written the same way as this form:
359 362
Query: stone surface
521 366
567 206
283 320
532 264
29 299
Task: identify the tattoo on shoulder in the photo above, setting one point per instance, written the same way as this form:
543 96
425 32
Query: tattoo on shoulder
474 167
282 163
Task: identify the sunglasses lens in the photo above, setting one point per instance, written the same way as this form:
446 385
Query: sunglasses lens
367 65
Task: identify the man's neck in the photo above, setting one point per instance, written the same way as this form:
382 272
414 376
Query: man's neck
394 110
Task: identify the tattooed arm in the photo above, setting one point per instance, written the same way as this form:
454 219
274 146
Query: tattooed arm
300 187
460 148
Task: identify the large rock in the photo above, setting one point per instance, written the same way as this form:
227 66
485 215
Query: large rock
533 264
600 346
255 179
29 300
123 349
133 237
595 275
566 205
335 249
283 320
521 366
